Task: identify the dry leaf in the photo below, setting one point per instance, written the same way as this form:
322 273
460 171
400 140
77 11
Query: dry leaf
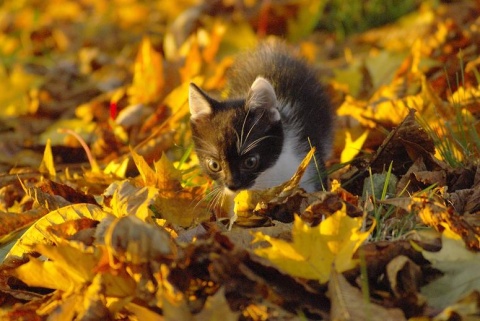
314 251
352 147
148 81
349 304
461 272
38 232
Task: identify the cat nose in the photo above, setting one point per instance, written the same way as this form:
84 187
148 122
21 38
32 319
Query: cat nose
234 186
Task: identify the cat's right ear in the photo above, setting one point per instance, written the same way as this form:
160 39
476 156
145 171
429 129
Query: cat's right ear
198 102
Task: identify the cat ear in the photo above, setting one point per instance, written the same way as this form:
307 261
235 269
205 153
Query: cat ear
262 95
198 102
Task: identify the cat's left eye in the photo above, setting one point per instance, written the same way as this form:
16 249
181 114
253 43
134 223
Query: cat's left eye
251 162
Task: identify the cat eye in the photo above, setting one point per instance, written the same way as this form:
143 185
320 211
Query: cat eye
251 162
213 165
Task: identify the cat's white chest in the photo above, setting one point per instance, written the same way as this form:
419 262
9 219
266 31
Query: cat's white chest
286 165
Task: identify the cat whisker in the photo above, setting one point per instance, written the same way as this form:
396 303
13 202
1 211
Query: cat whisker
211 198
243 130
254 144
239 142
217 200
250 131
253 126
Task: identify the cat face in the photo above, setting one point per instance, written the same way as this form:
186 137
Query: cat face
236 140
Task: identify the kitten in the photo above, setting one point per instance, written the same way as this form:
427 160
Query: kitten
258 136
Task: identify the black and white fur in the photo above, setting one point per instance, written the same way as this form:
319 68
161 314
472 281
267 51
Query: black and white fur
258 136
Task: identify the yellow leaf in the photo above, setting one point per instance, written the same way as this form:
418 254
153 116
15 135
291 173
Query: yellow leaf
15 87
146 172
47 166
464 96
315 250
148 77
65 270
168 177
131 13
182 208
129 199
177 100
193 61
38 232
119 169
44 274
352 147
178 205
164 175
247 200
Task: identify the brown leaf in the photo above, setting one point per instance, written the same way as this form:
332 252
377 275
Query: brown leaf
348 303
65 191
81 229
246 278
405 278
133 241
402 147
12 223
379 254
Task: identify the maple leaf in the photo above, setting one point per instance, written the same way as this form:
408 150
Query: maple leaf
178 205
64 271
461 272
315 250
148 79
165 177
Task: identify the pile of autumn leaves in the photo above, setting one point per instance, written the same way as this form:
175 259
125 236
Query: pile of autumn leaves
149 247
97 261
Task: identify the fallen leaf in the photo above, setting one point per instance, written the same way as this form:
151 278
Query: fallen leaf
349 303
461 272
64 271
47 166
15 84
279 202
38 231
129 239
352 147
314 251
128 199
217 309
148 81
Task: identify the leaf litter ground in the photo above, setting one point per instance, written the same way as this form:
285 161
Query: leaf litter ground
105 215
